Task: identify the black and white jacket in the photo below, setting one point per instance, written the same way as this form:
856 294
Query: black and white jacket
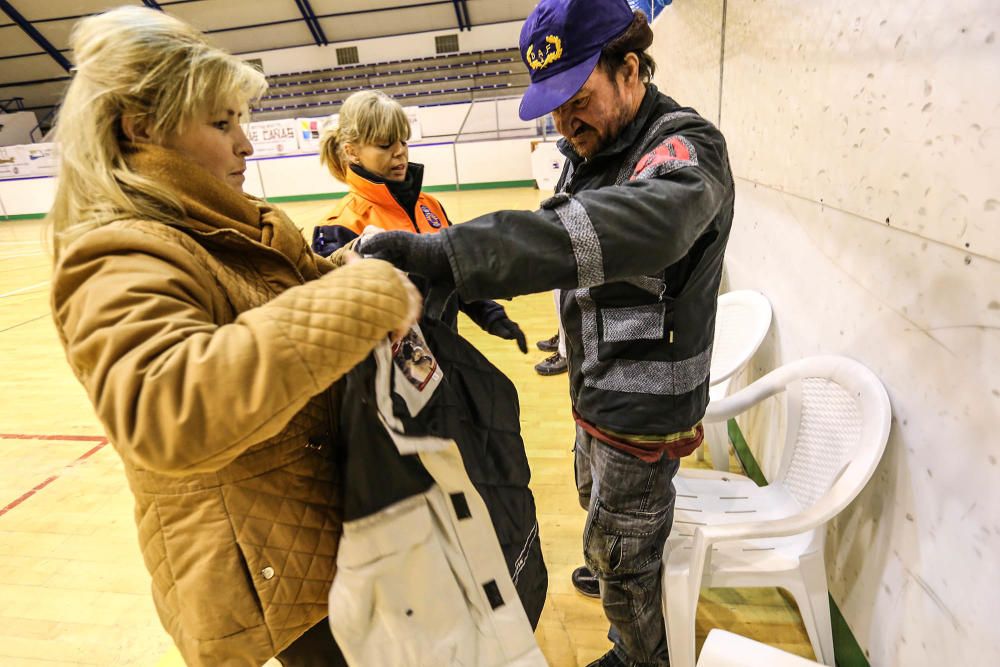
440 561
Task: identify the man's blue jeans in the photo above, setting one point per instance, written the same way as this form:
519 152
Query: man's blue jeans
630 508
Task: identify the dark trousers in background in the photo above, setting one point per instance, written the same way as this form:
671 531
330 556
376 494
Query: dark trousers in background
315 648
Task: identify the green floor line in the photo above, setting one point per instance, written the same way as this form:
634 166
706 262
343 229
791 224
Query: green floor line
497 184
743 454
846 649
337 195
23 216
430 188
316 197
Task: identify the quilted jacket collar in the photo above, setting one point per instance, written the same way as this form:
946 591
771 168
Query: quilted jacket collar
209 203
216 212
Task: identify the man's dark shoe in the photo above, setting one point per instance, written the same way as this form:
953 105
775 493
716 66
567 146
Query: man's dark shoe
549 344
609 659
585 582
554 364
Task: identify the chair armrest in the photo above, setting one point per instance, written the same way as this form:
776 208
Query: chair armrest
735 404
728 407
756 530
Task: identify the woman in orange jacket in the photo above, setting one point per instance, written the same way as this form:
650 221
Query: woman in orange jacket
367 150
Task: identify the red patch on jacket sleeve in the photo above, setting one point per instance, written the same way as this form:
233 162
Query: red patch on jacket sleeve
672 153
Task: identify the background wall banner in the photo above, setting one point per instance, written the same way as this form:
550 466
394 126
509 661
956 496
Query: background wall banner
308 131
14 161
273 137
41 159
651 8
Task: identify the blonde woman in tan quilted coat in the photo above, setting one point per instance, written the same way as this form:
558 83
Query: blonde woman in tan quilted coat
207 335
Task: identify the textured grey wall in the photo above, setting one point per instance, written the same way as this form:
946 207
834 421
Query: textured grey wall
866 146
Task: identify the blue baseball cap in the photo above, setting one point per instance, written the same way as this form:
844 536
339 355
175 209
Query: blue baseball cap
561 42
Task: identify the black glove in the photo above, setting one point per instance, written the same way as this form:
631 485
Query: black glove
492 318
422 254
506 328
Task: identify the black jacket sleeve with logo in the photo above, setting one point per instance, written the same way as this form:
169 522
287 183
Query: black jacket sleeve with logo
641 222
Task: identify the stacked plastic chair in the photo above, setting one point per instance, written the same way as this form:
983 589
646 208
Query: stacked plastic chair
741 322
729 532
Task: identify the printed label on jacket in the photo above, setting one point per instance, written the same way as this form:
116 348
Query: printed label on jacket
672 154
412 356
408 370
432 219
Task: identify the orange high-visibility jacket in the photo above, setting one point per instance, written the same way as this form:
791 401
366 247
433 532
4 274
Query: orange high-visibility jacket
371 203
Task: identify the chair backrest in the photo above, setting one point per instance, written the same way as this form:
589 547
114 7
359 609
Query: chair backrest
741 322
837 427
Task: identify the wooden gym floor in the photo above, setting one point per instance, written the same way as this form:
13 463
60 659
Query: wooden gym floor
73 590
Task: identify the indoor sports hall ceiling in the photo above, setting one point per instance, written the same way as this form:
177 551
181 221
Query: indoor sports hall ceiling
34 34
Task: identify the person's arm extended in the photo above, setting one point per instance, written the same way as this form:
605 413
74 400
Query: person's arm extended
178 393
593 237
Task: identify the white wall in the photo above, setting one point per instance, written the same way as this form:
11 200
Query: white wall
485 154
504 160
27 196
15 128
478 162
381 49
865 142
480 117
687 49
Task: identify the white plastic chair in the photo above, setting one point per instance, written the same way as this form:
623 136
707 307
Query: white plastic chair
725 649
741 322
728 532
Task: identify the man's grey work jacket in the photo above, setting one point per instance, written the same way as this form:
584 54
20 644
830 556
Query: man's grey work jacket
634 238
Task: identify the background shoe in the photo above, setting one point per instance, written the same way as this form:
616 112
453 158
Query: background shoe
585 582
609 659
549 344
554 364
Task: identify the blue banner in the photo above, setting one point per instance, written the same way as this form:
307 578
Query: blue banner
651 8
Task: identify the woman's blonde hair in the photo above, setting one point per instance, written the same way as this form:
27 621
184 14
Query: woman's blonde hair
366 117
143 64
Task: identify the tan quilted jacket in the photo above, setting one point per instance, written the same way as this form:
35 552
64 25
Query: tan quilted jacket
206 354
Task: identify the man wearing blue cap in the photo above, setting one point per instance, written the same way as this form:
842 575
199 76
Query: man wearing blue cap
634 239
